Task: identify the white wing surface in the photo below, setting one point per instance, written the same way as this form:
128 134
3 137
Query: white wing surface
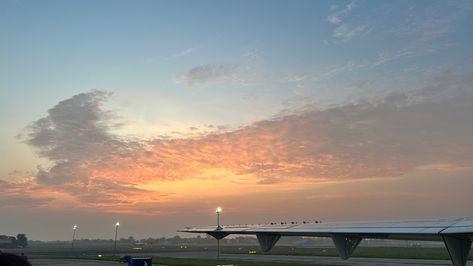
457 234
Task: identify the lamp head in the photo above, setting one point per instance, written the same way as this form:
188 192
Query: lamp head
218 210
117 224
75 227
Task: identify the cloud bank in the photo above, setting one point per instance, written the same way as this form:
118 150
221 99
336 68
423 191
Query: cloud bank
390 137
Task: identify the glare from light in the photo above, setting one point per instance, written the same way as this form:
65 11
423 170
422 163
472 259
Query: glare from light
75 227
117 224
219 210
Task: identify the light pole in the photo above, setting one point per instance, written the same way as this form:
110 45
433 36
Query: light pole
116 233
218 211
73 236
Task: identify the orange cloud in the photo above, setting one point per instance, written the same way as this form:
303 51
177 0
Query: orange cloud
95 169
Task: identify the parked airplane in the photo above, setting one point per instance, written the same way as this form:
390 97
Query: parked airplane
457 234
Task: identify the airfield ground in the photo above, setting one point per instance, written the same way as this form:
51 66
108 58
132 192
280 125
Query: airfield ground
62 255
72 262
247 260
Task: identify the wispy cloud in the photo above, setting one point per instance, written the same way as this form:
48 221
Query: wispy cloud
184 52
176 55
209 73
252 54
334 19
346 32
339 12
435 21
381 58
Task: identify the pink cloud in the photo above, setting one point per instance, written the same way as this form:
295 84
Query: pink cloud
388 138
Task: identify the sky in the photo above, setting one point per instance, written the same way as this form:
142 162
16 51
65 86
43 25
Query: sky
153 113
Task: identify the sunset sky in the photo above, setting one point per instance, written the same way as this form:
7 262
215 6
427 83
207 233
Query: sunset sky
153 113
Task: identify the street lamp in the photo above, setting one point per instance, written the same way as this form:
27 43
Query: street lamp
73 235
218 211
116 233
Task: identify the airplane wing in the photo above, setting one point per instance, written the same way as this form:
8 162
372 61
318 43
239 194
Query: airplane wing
457 234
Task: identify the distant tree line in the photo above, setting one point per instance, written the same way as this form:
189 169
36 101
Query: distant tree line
12 242
199 240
